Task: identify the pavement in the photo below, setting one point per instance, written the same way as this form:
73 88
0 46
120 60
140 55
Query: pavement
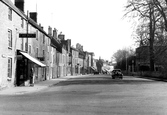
37 86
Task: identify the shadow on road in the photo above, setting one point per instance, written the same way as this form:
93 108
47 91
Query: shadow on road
102 81
153 78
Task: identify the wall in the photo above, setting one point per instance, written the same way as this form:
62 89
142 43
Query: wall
15 26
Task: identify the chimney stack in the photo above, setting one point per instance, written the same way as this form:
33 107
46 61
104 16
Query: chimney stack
68 45
61 36
50 31
33 16
55 33
20 4
41 26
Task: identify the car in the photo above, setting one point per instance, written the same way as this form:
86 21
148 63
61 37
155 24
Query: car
117 73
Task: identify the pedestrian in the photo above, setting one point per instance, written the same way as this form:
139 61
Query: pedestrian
32 77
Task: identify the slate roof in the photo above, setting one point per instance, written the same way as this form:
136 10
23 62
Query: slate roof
14 8
33 23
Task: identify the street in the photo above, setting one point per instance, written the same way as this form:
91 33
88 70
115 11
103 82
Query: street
91 95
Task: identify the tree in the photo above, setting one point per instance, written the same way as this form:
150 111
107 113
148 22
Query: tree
152 28
161 6
146 11
121 57
142 34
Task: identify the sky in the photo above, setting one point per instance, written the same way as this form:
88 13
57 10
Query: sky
98 25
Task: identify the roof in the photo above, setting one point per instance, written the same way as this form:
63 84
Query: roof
55 43
20 13
72 48
35 25
14 8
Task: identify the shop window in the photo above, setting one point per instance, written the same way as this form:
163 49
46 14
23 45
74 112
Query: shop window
9 38
9 67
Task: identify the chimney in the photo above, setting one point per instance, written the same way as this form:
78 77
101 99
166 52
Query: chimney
41 26
69 45
55 33
33 16
50 31
20 4
81 48
61 36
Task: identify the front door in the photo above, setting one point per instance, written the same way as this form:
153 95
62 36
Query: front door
22 72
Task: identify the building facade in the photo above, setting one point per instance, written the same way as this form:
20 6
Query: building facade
74 58
26 48
12 22
26 45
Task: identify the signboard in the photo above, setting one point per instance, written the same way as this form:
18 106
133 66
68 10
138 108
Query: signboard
27 35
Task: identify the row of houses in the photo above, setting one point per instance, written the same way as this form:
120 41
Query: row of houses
25 45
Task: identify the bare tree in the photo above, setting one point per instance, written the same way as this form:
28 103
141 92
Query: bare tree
149 15
142 34
161 6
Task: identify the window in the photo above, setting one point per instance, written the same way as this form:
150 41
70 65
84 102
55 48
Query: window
10 14
43 53
9 67
29 49
43 38
48 41
22 22
48 56
37 35
53 59
22 44
26 46
37 53
9 38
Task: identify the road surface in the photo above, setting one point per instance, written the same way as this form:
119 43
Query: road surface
92 95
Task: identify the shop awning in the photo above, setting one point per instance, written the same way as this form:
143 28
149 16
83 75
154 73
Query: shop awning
32 59
93 68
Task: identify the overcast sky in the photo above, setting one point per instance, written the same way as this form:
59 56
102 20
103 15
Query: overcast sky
95 24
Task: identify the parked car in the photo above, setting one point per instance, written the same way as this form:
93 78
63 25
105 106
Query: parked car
117 73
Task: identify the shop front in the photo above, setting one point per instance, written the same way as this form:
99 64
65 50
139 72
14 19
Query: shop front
26 68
